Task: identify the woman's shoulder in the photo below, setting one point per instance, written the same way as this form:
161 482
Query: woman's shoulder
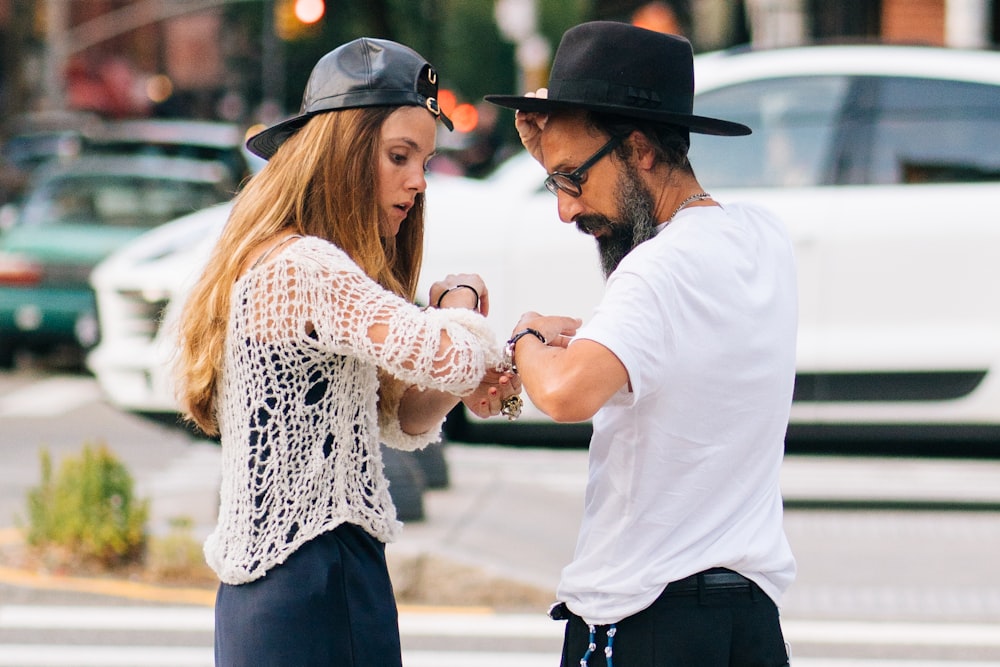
306 260
314 253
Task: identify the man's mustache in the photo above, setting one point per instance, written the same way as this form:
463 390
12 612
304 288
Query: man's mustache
589 224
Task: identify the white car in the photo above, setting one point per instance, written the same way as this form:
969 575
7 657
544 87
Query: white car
883 161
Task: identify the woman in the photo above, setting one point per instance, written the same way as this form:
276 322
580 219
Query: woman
302 348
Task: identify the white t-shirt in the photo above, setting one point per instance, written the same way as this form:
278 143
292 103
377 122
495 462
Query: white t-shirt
684 464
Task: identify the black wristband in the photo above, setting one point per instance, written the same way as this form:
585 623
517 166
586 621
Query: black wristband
524 332
474 291
508 349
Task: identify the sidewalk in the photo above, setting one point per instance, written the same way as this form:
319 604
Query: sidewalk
511 515
503 529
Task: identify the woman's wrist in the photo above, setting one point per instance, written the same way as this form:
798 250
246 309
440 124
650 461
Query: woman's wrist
462 288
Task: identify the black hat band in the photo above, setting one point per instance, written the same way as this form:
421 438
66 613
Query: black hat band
594 91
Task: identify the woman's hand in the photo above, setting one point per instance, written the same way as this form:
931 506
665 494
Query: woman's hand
461 290
557 330
530 125
487 399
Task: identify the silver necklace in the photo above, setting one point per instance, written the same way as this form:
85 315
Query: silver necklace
689 200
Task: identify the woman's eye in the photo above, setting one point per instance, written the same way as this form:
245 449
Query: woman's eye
397 158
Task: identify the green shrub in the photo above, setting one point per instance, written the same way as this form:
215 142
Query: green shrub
88 511
177 557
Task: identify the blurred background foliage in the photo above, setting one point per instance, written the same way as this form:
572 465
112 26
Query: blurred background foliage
460 37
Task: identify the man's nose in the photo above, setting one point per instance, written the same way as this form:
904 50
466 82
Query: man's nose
569 207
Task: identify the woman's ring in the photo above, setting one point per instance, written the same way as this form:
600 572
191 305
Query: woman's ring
511 407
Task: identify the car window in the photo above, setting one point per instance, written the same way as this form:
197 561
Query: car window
793 121
932 131
123 202
28 151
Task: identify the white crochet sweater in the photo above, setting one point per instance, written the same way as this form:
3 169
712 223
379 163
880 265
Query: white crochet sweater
297 402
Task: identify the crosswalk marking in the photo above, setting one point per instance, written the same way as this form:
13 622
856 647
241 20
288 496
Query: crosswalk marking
437 623
489 625
903 634
525 626
172 619
34 655
50 397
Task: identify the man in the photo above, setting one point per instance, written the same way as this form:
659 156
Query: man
686 366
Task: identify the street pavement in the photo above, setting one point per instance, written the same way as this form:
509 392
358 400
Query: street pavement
499 534
512 515
475 577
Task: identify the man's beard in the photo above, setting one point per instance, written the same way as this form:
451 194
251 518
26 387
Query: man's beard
634 223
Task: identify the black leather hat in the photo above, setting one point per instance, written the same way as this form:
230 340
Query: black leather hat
365 72
625 70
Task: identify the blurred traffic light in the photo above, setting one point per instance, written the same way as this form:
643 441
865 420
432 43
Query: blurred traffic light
309 11
447 101
294 19
466 117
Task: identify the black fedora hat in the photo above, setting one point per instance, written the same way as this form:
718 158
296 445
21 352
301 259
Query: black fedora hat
365 72
622 69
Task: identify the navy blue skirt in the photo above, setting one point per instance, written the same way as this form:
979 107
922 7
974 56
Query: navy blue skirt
331 604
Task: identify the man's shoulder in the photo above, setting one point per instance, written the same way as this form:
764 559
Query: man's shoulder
755 214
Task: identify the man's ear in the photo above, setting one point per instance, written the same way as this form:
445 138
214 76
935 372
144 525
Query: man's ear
642 150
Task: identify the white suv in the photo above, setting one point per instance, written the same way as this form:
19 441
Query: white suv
885 164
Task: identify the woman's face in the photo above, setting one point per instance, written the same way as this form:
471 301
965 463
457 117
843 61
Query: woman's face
407 143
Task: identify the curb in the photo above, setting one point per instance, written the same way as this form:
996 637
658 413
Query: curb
163 594
110 587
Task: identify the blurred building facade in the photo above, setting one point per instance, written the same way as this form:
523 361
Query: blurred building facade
116 58
952 23
190 58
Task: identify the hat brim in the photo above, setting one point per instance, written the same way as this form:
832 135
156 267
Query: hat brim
266 143
700 124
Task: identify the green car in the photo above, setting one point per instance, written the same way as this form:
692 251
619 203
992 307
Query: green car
73 216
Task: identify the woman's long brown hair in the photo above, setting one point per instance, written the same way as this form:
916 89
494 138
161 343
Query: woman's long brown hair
322 182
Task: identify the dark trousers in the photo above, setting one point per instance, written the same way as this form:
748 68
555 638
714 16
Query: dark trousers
691 624
330 604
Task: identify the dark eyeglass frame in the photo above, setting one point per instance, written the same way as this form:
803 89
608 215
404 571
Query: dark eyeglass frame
572 182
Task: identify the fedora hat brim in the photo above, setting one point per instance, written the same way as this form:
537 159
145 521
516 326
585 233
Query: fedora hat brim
695 123
618 68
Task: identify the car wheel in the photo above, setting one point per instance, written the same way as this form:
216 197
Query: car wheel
406 483
432 461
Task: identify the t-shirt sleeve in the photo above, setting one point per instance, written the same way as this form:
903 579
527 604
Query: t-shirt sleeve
630 323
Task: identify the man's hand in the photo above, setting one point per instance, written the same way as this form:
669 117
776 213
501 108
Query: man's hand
557 330
530 125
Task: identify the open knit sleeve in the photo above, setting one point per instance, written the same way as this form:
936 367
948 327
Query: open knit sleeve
353 315
315 292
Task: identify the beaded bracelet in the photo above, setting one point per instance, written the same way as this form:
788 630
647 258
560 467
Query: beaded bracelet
507 364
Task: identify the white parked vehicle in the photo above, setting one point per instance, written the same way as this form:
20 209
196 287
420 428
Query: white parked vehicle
883 161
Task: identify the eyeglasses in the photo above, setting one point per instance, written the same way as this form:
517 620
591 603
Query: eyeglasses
572 183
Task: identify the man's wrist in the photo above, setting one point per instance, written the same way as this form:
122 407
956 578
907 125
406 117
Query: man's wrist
508 365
